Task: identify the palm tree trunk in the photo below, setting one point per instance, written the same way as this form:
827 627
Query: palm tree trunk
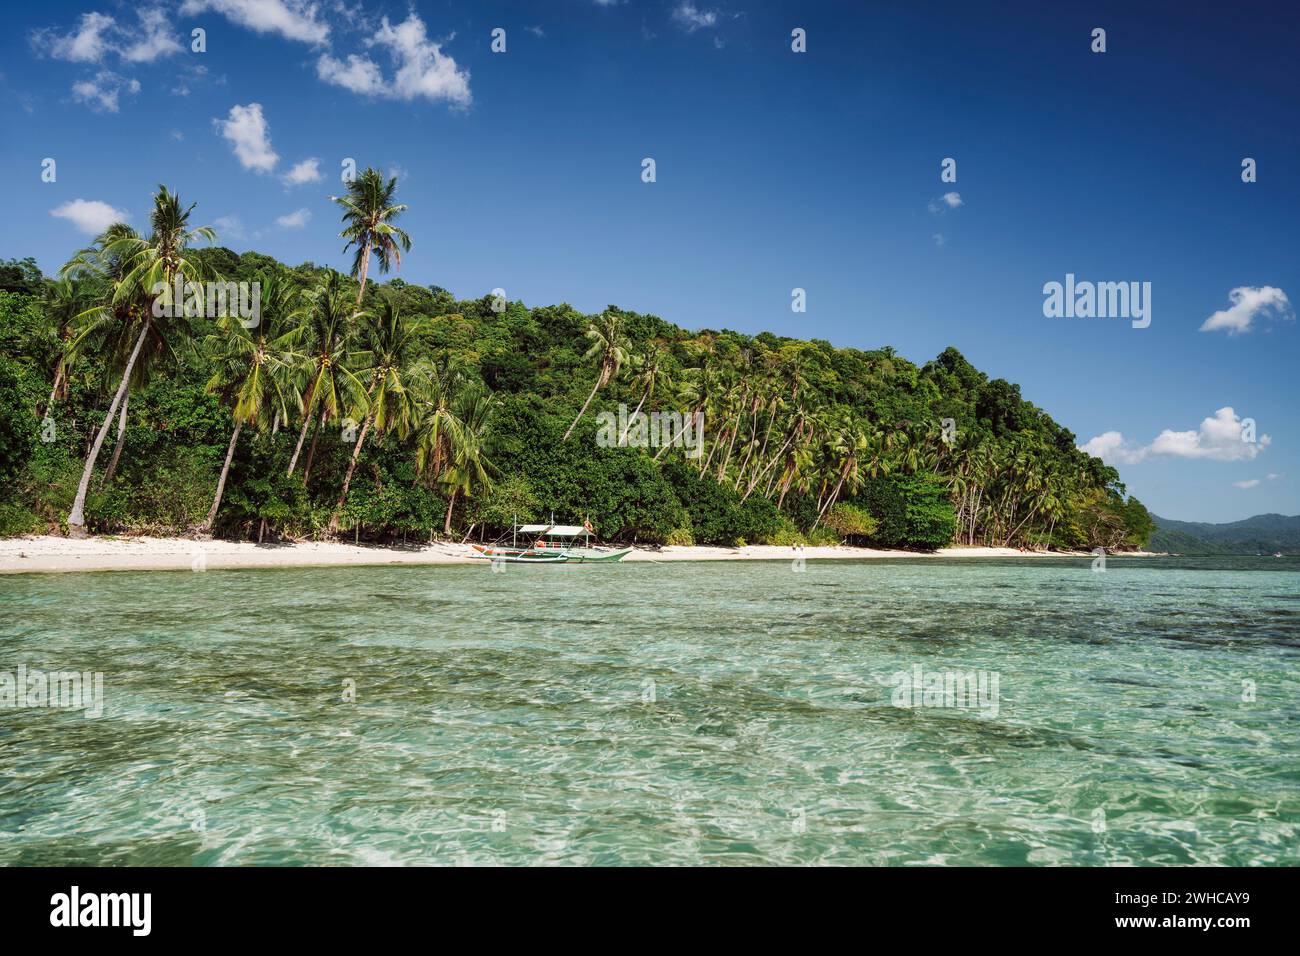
347 478
365 267
622 439
121 440
582 411
77 516
311 452
58 379
307 418
451 502
221 482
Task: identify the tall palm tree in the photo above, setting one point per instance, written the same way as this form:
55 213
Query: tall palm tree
328 336
384 400
150 267
470 466
108 327
368 215
255 367
650 373
609 349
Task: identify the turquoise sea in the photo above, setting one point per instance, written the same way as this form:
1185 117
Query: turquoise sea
685 713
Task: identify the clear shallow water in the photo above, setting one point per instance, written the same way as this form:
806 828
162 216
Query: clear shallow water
504 718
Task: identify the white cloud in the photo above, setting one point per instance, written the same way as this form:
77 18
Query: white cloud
308 171
90 216
229 227
939 239
947 201
88 43
291 19
690 18
421 69
153 39
1219 438
294 220
1111 448
97 35
1248 483
101 92
1248 302
360 74
536 31
248 134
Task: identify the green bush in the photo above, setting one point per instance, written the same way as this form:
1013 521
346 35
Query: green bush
911 511
850 521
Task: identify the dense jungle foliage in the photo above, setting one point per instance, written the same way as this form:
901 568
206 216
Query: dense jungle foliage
386 411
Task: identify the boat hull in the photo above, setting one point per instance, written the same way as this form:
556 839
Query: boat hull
552 556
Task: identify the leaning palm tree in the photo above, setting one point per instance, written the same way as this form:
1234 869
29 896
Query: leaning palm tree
650 373
368 214
255 367
150 268
385 400
328 335
609 348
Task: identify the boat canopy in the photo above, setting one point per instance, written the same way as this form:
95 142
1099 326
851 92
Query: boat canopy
556 530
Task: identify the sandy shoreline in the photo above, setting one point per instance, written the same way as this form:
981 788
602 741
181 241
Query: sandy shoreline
55 554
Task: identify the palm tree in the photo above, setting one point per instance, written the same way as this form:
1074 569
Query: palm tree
328 335
107 327
254 367
66 299
450 441
386 402
469 464
609 348
150 267
649 374
368 217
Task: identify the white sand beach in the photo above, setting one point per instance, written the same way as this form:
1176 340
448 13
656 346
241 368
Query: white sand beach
49 553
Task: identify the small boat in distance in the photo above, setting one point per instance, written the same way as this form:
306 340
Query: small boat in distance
549 544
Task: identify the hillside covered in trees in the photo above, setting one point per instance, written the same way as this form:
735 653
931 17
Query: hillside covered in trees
387 411
1261 534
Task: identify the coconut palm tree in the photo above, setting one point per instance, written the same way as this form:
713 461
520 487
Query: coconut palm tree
149 270
329 331
255 367
66 299
470 467
384 400
609 350
449 440
650 373
368 214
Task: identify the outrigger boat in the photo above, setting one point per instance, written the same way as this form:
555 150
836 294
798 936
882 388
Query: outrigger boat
550 544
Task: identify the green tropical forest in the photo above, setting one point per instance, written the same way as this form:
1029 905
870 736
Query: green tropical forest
379 411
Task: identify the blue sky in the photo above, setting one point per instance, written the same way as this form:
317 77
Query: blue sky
774 170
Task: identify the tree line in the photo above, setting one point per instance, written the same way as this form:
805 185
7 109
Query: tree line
396 412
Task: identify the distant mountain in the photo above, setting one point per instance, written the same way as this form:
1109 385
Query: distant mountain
1262 533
